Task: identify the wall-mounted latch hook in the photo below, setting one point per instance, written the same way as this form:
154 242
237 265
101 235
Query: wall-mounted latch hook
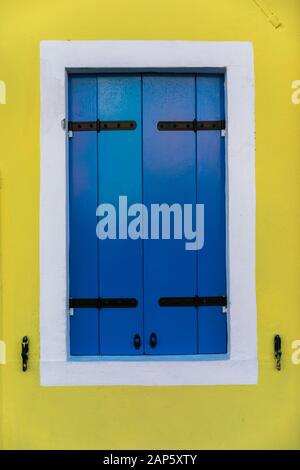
277 351
25 352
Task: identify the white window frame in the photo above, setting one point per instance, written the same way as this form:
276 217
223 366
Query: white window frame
236 59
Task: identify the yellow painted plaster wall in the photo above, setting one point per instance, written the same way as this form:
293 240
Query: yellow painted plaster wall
262 416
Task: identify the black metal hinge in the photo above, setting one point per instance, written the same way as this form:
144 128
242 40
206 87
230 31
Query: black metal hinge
103 303
98 126
190 125
193 301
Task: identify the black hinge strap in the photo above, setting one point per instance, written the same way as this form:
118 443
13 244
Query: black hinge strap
103 303
190 125
193 301
84 126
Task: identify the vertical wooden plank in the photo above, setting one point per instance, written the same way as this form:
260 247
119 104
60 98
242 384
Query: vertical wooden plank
83 249
212 322
120 174
169 176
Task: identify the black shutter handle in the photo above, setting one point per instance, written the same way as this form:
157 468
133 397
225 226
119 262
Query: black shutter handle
137 341
153 340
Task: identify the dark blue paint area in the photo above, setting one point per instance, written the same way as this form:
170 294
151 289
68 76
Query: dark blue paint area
83 243
212 331
212 327
84 337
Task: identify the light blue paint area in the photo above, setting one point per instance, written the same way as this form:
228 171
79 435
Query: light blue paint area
151 358
120 174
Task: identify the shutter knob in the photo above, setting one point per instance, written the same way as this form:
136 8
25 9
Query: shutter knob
137 341
153 340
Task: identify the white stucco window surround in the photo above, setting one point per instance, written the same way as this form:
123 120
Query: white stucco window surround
236 60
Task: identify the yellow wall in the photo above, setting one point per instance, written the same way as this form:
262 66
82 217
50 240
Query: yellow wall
262 416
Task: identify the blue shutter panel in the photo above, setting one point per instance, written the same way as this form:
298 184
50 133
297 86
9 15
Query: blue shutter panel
169 176
83 249
212 322
120 174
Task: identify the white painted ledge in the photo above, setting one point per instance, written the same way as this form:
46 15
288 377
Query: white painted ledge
150 373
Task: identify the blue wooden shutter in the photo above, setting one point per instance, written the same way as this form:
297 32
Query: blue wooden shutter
152 167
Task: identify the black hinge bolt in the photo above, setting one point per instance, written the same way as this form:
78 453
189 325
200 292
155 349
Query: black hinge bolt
25 352
137 341
277 351
153 340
